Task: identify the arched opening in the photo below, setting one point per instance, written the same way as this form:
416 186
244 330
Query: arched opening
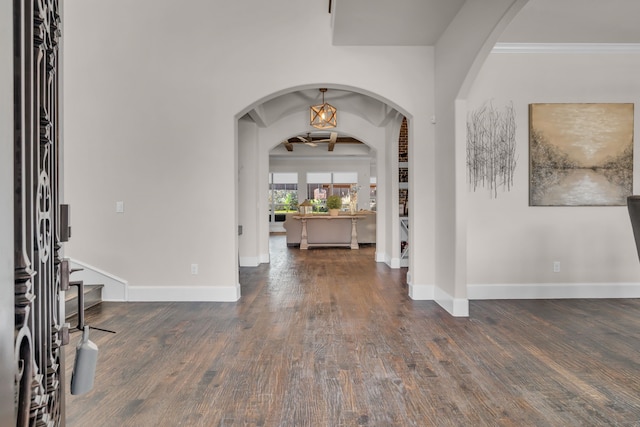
266 128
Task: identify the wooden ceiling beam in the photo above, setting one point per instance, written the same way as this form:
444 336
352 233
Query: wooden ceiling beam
340 140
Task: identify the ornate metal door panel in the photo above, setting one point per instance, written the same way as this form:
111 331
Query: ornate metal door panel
39 359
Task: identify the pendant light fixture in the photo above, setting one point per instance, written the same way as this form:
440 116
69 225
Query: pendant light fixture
323 116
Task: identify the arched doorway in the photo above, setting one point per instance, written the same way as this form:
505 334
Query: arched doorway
268 123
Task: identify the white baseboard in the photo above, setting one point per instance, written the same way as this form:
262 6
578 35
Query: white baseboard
264 259
457 307
118 289
421 292
184 293
553 291
380 256
249 261
115 288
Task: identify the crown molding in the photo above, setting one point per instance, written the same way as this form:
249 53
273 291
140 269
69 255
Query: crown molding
567 48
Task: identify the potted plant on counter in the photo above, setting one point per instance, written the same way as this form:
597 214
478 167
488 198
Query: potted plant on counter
334 204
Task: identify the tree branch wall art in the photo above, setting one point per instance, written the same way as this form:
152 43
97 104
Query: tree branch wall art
491 148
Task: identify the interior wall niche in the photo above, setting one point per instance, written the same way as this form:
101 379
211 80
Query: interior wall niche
491 148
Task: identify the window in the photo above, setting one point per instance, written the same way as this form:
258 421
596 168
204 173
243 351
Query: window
283 195
318 189
320 185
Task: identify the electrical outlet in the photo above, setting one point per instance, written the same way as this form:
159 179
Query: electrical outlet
194 269
556 266
120 207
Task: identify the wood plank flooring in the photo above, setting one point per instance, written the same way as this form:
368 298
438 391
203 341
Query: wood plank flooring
327 337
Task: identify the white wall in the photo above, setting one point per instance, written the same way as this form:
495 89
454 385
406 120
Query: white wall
151 119
248 181
510 243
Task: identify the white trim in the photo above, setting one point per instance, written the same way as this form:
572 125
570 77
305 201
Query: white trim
457 307
115 288
567 48
249 261
420 292
380 256
387 260
184 293
394 263
264 259
553 291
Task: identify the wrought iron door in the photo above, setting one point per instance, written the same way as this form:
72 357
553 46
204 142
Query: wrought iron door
38 323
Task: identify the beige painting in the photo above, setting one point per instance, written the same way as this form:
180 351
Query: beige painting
580 154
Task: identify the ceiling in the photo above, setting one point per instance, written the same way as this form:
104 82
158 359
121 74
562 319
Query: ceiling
421 22
391 23
370 109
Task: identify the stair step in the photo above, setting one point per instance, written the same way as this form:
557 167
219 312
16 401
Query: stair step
92 296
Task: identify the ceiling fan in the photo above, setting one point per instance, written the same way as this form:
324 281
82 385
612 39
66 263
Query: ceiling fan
311 142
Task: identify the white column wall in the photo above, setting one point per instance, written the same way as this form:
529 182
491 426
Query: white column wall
248 169
382 200
422 208
459 53
262 207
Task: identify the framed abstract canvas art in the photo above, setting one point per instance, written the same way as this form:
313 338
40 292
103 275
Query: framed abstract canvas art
580 154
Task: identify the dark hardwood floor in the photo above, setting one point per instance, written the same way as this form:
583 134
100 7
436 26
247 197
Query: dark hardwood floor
327 337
